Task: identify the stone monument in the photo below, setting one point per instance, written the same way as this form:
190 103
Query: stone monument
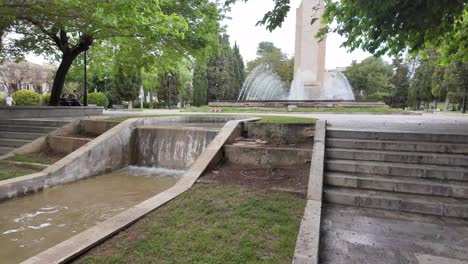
309 64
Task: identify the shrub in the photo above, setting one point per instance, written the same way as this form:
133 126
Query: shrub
25 97
146 105
98 99
2 100
46 99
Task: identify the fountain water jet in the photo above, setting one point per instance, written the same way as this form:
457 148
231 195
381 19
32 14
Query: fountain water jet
263 84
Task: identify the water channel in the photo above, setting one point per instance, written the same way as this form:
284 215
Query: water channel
34 223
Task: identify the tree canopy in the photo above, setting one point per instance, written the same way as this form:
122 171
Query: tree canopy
149 30
391 27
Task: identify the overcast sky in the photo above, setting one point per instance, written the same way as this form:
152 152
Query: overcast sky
242 30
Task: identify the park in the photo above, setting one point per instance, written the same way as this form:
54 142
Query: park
259 131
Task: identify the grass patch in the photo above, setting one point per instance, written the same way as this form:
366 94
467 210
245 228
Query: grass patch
33 158
298 110
10 171
210 224
265 118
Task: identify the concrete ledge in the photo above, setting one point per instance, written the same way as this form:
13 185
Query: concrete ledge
308 240
78 244
264 156
65 145
48 111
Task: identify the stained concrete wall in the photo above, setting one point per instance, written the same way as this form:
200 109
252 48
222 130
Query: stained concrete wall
48 111
276 157
95 127
281 133
66 145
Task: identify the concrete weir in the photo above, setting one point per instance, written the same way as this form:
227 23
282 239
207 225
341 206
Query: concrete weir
118 145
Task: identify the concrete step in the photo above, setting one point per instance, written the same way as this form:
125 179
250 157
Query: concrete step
457 189
388 145
30 122
31 129
398 169
20 135
395 136
5 150
423 204
13 142
398 156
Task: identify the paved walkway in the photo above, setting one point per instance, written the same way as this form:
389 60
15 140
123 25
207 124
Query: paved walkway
358 236
435 123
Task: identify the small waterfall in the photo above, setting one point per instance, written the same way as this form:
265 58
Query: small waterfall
263 84
173 148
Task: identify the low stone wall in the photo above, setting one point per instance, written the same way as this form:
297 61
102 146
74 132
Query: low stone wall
267 156
281 133
95 127
300 104
48 111
66 145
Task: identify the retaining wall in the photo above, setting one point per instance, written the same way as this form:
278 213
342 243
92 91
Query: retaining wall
48 111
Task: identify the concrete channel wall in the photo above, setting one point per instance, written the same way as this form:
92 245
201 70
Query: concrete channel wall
88 161
82 242
308 240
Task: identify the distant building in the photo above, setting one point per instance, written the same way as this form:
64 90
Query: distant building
25 76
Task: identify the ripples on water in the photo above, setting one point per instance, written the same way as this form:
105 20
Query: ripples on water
31 224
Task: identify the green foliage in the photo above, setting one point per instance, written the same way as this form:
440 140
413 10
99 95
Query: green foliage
276 60
225 72
401 82
169 88
144 32
200 83
370 79
45 99
26 97
127 82
2 100
98 99
393 27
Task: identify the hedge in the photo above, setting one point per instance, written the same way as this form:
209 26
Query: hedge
26 97
98 99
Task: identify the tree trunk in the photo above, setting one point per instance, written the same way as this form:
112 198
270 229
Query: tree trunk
59 79
447 102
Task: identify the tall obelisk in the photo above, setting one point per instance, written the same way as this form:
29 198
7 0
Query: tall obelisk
309 64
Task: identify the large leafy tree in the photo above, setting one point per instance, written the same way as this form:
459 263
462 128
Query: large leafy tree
272 56
370 79
401 82
66 29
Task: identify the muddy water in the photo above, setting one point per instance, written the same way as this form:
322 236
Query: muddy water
31 224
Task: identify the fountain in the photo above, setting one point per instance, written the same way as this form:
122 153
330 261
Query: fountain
263 84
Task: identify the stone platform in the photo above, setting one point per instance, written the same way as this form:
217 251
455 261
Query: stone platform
300 104
16 112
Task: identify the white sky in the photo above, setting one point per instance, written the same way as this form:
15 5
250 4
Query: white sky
241 28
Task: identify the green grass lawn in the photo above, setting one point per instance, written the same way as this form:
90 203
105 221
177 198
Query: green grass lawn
10 171
210 224
32 158
298 110
265 118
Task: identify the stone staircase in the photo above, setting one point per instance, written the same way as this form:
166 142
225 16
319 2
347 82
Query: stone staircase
408 172
15 133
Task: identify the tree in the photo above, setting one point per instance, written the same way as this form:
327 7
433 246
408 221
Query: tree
169 88
275 59
456 82
200 83
370 79
225 73
65 29
400 81
127 82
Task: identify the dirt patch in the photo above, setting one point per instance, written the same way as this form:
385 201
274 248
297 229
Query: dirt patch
292 179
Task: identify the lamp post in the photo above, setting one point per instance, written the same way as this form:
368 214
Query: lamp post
105 84
85 95
169 79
